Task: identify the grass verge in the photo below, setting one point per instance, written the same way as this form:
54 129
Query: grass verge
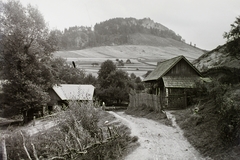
202 131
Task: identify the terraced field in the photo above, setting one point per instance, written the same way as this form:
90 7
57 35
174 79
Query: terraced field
143 58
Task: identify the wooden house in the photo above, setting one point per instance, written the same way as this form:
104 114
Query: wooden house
64 93
171 79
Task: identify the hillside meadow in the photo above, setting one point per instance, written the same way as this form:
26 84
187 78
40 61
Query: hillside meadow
143 58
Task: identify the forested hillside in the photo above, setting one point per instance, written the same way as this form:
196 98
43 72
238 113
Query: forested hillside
115 31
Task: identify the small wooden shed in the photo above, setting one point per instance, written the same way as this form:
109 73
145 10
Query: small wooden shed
170 80
63 93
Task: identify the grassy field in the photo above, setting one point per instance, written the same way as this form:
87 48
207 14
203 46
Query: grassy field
143 57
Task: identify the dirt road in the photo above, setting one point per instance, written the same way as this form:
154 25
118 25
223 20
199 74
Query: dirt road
158 141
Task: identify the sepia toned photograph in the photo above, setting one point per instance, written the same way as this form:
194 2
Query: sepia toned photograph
119 80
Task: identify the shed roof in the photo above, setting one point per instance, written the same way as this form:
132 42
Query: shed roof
74 91
165 66
179 82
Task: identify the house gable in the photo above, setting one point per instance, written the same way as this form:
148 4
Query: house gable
182 68
175 66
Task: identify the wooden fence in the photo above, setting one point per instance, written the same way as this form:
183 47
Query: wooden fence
156 102
144 99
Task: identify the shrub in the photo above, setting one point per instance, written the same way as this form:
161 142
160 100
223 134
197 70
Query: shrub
226 107
229 120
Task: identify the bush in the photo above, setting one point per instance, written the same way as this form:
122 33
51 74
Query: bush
226 107
229 119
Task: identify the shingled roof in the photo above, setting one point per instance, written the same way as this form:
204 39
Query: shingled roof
179 82
165 66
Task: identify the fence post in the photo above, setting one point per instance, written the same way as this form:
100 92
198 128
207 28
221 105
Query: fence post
3 148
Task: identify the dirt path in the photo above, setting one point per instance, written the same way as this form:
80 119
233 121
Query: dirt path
158 141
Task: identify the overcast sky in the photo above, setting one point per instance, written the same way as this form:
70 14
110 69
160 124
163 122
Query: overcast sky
201 22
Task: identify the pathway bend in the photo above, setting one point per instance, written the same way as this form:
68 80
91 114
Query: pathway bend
158 141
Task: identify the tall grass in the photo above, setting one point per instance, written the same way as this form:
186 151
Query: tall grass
78 135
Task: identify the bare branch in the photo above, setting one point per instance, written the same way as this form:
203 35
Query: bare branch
24 146
34 151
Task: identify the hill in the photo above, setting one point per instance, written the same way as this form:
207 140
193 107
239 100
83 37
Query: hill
116 31
142 41
144 53
216 58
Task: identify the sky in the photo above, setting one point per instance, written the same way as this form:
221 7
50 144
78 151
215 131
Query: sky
201 22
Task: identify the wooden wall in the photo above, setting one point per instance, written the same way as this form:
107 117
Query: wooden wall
182 68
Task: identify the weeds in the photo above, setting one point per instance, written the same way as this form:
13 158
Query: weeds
78 135
226 108
215 127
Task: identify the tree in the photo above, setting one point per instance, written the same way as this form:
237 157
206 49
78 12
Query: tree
67 73
119 85
118 79
26 49
113 83
136 83
90 79
233 39
120 63
133 76
106 68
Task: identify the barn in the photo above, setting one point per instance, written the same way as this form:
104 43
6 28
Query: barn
171 79
64 93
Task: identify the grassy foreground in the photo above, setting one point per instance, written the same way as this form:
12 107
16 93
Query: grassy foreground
81 132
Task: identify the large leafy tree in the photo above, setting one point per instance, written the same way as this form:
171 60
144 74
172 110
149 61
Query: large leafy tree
106 68
113 83
233 39
26 48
